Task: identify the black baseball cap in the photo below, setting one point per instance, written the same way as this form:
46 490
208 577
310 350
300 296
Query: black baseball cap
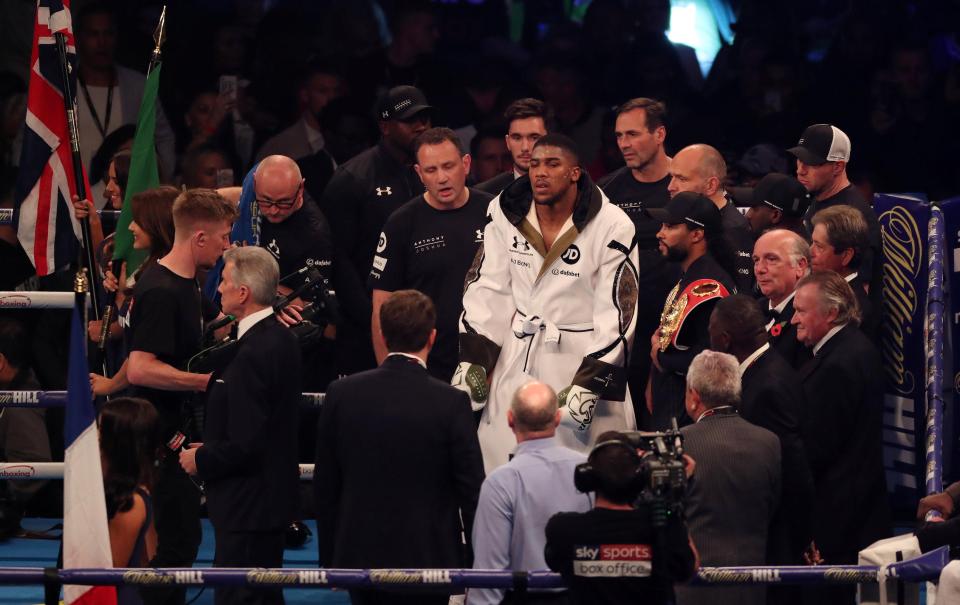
402 103
692 209
783 193
822 143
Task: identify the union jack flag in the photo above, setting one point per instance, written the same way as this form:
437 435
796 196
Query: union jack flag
43 213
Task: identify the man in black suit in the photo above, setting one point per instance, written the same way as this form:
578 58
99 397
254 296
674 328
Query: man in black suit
398 460
839 240
780 259
249 458
526 122
844 396
735 490
771 398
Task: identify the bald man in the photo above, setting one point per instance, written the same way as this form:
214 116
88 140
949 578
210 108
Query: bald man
297 234
293 230
700 168
781 258
518 498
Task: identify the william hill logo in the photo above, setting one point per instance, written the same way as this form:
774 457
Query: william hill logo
902 261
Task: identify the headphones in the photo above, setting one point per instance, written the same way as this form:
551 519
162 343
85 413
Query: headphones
587 479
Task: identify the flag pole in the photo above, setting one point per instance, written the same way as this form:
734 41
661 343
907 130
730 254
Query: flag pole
69 104
81 287
159 37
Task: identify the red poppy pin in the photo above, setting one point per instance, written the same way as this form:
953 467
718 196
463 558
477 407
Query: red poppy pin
776 329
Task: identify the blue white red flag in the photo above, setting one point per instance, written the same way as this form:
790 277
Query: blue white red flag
86 537
43 213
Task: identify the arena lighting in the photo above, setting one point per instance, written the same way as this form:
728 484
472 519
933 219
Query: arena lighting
693 23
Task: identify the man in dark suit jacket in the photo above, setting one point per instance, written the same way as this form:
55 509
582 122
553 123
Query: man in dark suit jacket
780 259
839 241
844 398
398 460
771 398
248 460
735 489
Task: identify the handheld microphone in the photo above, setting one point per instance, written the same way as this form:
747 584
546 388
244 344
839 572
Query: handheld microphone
177 444
216 325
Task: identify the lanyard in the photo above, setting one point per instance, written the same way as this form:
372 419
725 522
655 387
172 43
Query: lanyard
102 127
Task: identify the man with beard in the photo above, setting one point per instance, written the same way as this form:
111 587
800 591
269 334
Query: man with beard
777 202
701 169
691 235
526 122
360 197
780 259
639 185
551 296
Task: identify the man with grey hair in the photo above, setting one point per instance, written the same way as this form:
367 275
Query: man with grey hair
842 428
518 498
701 169
735 491
249 457
780 259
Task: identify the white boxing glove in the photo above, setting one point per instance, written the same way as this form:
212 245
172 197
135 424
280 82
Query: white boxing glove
471 378
579 403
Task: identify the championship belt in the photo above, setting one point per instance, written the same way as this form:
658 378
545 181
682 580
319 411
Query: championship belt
679 305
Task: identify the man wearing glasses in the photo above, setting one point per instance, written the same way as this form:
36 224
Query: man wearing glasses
295 233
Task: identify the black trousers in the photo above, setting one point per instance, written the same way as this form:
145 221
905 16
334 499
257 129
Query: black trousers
176 509
248 549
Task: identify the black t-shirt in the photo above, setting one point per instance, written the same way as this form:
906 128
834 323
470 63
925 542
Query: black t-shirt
166 319
633 197
361 196
303 239
617 556
736 230
431 250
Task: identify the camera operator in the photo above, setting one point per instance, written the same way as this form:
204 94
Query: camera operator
619 552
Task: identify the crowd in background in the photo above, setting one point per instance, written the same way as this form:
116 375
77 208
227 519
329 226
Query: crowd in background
888 74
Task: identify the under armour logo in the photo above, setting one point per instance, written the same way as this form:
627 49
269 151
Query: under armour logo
385 115
517 242
479 237
382 191
274 248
